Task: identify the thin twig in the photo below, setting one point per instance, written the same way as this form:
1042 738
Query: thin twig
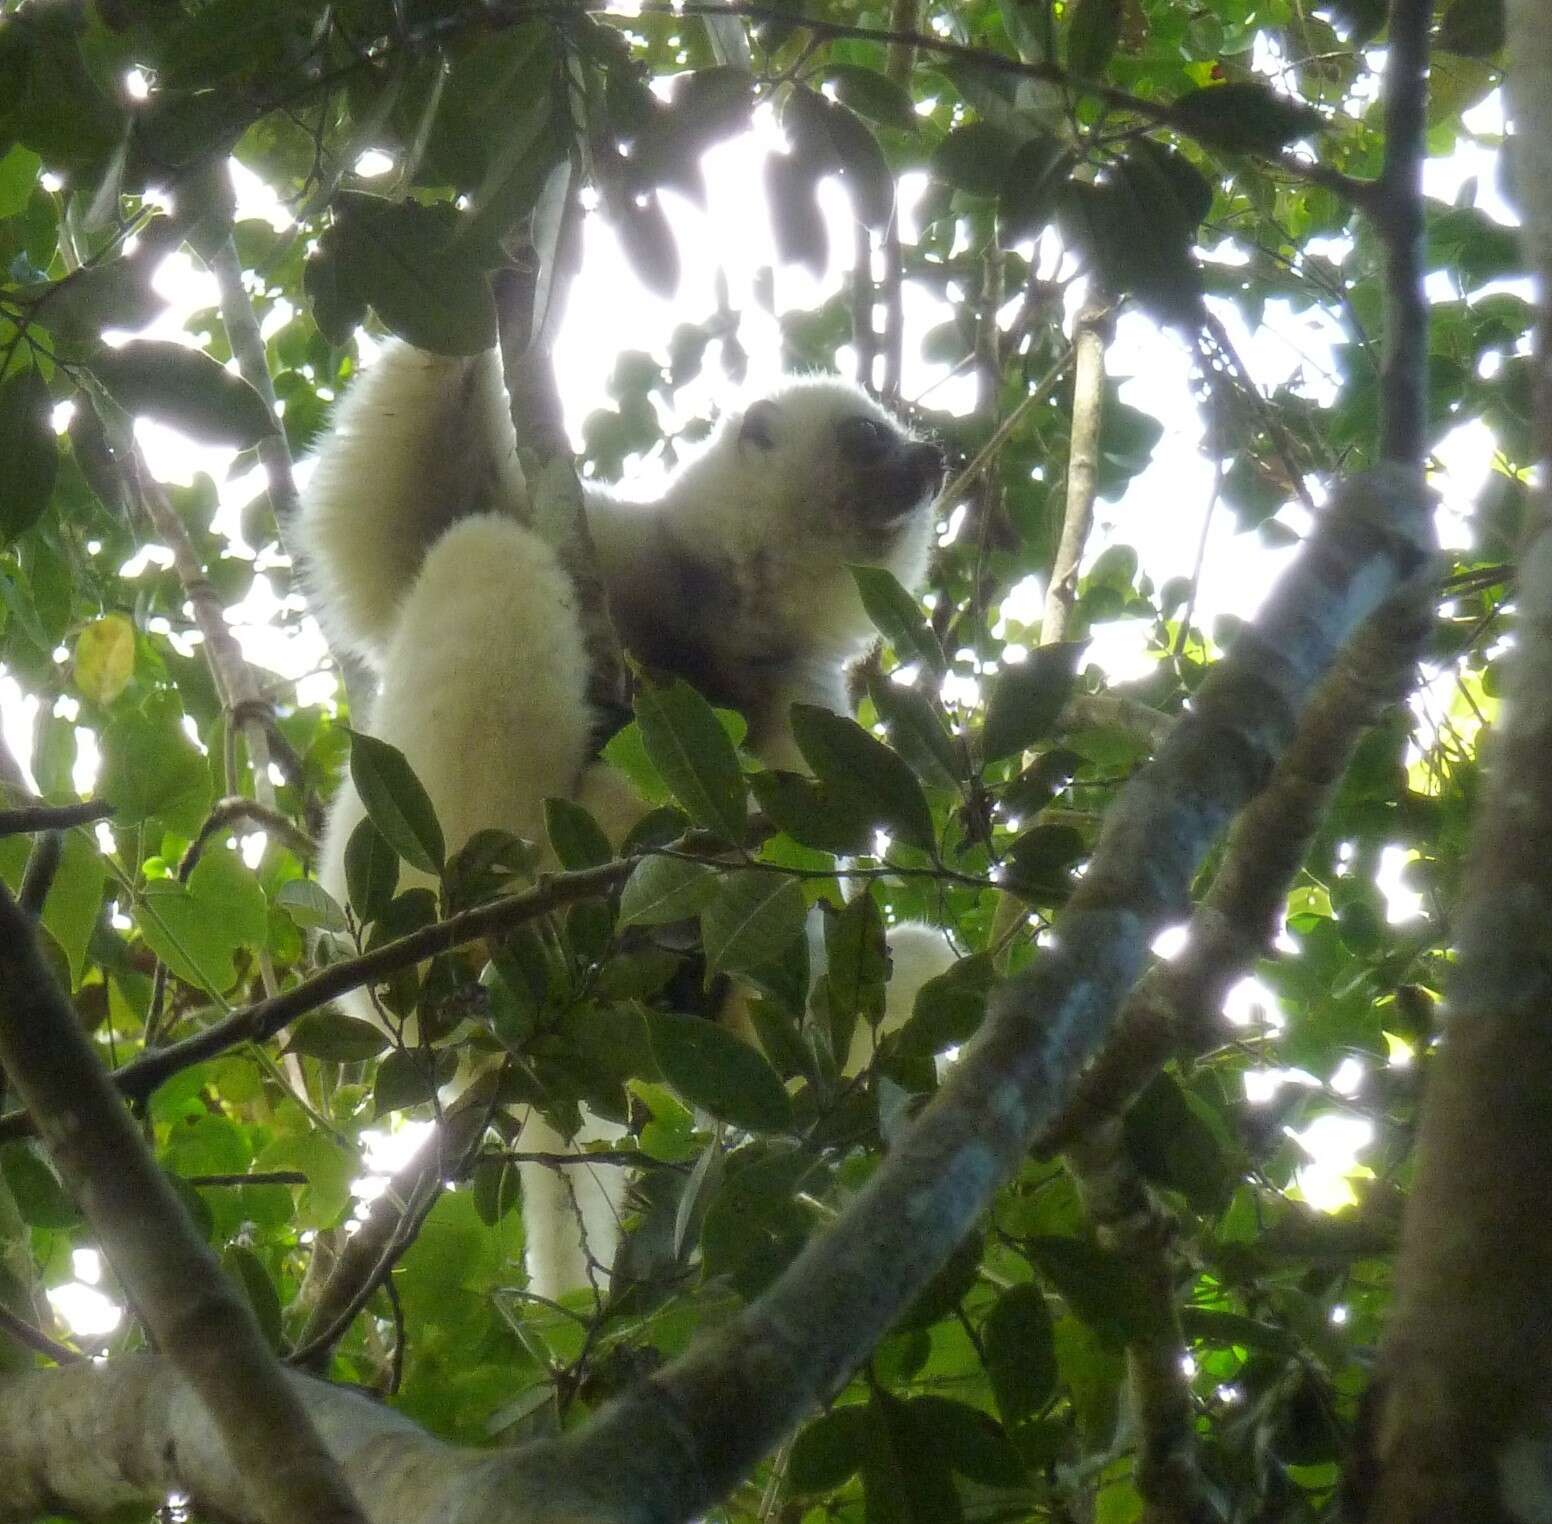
22 1332
52 817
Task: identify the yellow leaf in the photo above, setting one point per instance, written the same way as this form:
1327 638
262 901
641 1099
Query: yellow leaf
105 658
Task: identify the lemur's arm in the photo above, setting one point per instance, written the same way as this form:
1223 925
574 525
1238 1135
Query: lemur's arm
419 441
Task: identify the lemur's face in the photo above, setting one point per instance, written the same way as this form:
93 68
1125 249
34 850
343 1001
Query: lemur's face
862 480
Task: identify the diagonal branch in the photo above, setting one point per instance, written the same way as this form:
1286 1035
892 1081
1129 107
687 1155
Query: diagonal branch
706 1419
198 1317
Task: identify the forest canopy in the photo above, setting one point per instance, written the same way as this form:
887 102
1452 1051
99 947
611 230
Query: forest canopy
1080 1241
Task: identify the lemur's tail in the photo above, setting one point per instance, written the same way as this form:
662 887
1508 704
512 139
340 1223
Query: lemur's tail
419 441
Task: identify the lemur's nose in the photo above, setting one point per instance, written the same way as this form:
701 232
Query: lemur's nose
926 460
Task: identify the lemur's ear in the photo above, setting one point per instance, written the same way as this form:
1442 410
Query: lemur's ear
759 425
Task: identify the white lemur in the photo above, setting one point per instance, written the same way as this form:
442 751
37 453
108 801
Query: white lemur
418 556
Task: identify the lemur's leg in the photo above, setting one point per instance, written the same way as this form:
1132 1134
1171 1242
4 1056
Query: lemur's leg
484 682
418 442
571 1212
483 690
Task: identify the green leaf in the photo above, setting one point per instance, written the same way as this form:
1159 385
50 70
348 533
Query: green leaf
197 929
754 918
1473 28
1092 36
334 1036
1207 1325
185 388
404 1079
105 658
811 814
1246 117
1026 199
905 1478
898 618
29 450
829 1451
575 837
1038 863
247 1269
1173 1145
917 731
872 94
626 751
976 158
754 1227
310 904
405 259
150 769
692 754
864 170
949 1009
40 1199
74 904
972 1442
854 968
18 179
1020 1353
396 801
487 864
862 771
665 889
371 871
791 186
710 1067
1103 1290
1027 698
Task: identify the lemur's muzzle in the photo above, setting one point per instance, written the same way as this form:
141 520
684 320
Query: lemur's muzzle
903 483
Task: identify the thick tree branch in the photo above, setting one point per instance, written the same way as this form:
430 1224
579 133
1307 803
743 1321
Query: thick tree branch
530 303
1398 216
1457 1420
1177 1007
199 1318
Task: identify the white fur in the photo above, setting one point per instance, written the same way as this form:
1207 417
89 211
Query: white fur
418 559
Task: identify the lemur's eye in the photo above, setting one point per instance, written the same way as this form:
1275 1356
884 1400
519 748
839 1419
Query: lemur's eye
864 441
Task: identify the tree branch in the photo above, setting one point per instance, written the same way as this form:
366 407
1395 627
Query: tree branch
202 1322
52 817
227 813
1177 1006
1455 1425
1398 217
1355 192
1090 334
21 1332
266 1018
706 1419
